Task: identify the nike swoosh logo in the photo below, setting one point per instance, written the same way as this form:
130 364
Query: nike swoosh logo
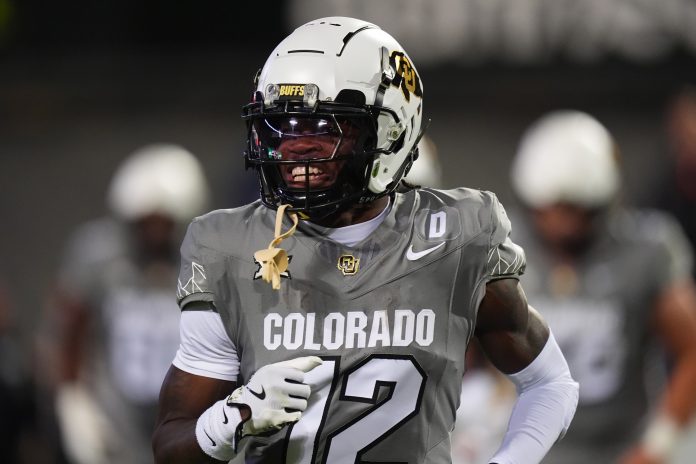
414 255
211 440
261 396
225 415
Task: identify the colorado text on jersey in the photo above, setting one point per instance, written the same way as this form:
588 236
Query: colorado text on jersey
353 329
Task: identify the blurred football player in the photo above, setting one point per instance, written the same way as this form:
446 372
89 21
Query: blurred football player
676 192
117 322
608 280
343 339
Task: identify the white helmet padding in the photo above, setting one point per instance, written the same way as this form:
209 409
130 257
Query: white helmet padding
566 156
161 178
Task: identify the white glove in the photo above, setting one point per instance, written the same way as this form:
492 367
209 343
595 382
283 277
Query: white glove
84 426
275 394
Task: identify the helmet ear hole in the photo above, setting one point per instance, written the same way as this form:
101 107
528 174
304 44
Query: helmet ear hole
400 143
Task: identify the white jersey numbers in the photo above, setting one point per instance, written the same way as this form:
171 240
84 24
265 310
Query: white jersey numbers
384 412
353 329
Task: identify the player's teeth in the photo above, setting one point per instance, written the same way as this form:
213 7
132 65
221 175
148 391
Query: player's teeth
300 171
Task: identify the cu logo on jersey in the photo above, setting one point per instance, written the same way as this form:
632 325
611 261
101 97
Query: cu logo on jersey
406 76
348 264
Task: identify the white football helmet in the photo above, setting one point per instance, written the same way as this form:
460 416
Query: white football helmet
160 178
566 156
350 85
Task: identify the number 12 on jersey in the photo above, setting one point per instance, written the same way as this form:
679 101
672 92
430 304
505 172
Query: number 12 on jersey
404 381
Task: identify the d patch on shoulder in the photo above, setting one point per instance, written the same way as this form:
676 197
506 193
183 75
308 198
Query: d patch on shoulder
439 225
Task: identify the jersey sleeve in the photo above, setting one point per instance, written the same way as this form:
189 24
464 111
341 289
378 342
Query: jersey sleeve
503 259
193 284
506 259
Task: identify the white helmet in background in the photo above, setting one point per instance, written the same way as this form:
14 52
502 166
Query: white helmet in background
329 74
427 169
566 156
162 178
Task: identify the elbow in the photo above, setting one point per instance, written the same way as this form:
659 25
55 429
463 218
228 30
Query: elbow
160 450
571 394
156 446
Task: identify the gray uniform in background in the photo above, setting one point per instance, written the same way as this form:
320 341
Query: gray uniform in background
391 318
600 313
134 333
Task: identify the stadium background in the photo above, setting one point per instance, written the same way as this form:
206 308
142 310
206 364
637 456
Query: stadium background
82 84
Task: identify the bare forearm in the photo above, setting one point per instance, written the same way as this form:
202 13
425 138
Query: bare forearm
677 408
676 324
679 402
72 320
183 399
174 442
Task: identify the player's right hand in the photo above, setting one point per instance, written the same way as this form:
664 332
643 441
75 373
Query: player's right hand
276 394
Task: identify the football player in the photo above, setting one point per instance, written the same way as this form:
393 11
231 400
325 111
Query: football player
609 280
343 339
116 321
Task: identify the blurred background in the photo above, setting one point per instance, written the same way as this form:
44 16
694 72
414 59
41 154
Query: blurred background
83 84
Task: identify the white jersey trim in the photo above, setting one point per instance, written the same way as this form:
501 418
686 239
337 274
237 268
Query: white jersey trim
205 349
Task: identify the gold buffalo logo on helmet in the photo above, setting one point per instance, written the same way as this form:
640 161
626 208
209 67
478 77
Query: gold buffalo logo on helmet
406 76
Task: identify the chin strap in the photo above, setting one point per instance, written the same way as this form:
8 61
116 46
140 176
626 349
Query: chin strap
274 261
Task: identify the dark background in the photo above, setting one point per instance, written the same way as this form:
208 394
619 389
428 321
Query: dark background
83 84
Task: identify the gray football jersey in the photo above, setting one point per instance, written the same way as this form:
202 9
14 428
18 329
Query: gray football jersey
391 317
599 311
134 336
